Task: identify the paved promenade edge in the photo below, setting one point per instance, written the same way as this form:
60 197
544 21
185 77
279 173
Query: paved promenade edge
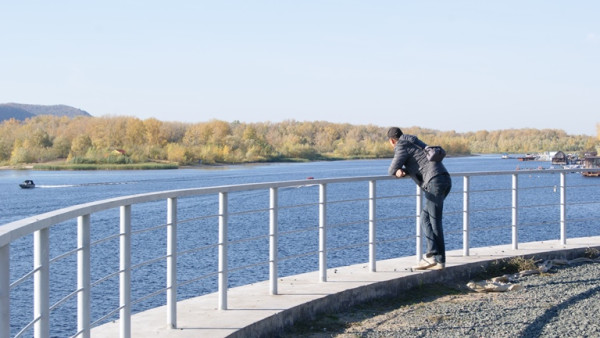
253 312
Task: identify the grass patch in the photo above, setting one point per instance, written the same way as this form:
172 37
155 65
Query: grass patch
506 267
131 166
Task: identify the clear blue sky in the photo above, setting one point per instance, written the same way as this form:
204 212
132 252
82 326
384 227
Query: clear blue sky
447 65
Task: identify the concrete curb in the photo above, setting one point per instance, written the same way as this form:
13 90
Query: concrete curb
271 326
253 312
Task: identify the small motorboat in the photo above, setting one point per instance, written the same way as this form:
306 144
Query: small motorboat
27 184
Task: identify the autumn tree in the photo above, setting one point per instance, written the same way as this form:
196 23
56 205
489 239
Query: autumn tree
95 139
80 145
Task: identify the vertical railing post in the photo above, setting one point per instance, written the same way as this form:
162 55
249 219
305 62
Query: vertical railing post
5 291
563 208
322 233
466 216
172 262
419 207
372 226
83 275
41 282
125 272
273 239
223 274
515 212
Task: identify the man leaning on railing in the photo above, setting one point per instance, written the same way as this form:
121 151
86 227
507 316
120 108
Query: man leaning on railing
410 158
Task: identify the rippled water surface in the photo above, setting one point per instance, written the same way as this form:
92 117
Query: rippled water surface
395 230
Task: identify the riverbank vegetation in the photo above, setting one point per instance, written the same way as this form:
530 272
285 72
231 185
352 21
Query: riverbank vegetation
105 166
86 142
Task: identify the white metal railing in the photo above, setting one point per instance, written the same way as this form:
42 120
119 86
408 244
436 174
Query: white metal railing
41 225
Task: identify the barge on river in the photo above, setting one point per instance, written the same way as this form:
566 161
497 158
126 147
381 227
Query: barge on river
591 162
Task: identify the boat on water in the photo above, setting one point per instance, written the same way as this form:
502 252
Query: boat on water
591 162
27 184
527 157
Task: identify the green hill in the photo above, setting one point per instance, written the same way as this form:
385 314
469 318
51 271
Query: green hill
23 111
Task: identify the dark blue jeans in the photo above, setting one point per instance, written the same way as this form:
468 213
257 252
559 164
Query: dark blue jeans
435 192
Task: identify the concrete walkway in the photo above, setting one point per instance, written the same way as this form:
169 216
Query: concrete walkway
252 312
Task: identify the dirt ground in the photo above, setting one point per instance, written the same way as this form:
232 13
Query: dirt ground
380 315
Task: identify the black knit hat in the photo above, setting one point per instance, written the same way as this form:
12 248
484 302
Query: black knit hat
394 133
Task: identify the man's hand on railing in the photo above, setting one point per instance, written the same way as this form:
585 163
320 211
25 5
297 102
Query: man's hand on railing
400 173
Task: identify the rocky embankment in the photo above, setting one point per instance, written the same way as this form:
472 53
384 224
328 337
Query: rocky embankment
563 302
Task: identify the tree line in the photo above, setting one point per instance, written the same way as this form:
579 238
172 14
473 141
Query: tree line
125 140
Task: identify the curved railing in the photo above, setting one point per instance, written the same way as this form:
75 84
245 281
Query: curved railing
281 223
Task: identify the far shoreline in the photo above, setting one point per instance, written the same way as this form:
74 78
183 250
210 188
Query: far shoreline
62 166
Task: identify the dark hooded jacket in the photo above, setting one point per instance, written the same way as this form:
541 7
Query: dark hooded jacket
410 157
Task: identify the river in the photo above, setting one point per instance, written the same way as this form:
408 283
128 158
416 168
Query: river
58 189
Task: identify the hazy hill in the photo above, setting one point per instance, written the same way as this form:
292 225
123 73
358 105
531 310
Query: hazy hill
23 111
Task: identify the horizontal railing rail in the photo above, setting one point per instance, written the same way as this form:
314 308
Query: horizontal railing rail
317 219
